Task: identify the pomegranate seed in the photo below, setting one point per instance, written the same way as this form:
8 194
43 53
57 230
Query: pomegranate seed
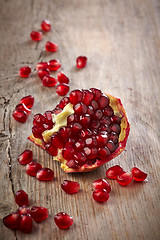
22 107
97 93
94 105
28 101
43 72
101 184
12 221
56 140
87 97
37 131
64 102
36 36
100 195
45 25
105 121
75 128
116 119
69 141
103 153
52 150
94 124
41 65
19 116
45 174
138 175
104 128
48 117
26 223
25 157
32 168
68 152
65 132
23 210
98 114
80 158
103 101
70 186
112 172
80 108
62 89
111 146
85 133
39 214
62 78
57 110
72 164
38 119
81 61
54 65
90 153
51 47
79 145
21 198
91 142
63 220
116 128
49 81
90 111
124 178
102 140
24 71
84 120
76 96
113 136
108 111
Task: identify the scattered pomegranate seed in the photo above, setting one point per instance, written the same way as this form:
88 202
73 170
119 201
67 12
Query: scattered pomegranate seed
32 168
39 214
21 198
62 78
22 107
41 65
43 72
70 186
45 174
138 175
62 89
12 221
100 195
25 157
81 61
49 81
45 25
19 115
26 223
112 172
23 210
36 36
54 65
124 178
24 71
51 47
28 101
101 184
63 220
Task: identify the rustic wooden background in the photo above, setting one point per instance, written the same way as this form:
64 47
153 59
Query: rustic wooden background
121 39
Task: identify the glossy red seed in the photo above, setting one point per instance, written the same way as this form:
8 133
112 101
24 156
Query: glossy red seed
45 25
22 107
80 108
19 115
138 175
41 65
94 124
38 119
36 36
124 178
37 131
70 187
81 61
101 184
72 118
48 117
28 101
62 78
57 141
39 214
108 111
12 220
114 137
85 133
51 149
57 110
91 153
116 128
65 132
91 142
72 164
45 174
76 96
100 195
105 121
90 111
111 146
103 153
87 97
97 93
103 101
23 210
63 220
69 141
21 198
116 119
68 152
94 105
80 158
98 114
51 47
62 89
25 157
84 120
32 168
64 102
79 145
102 140
26 223
49 81
43 72
54 65
105 128
24 71
75 128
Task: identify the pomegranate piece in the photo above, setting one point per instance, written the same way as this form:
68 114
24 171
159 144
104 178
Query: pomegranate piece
22 107
32 168
26 223
12 221
51 47
49 81
19 115
24 71
70 187
63 220
21 198
62 78
124 178
39 214
81 61
101 184
36 36
45 25
138 175
41 65
23 210
45 174
54 65
62 89
100 195
28 101
43 72
112 172
25 157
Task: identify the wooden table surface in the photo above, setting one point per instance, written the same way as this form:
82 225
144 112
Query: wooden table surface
121 39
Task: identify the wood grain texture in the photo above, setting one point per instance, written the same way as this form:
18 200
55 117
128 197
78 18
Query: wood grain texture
121 39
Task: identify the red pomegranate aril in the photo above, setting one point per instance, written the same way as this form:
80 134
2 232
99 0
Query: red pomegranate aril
97 93
22 107
23 210
85 133
24 71
28 101
26 223
105 128
84 120
32 168
62 78
63 220
75 128
45 174
105 120
12 220
45 25
57 110
38 119
116 128
52 150
90 152
64 102
116 119
36 36
94 104
37 131
103 101
94 124
54 65
47 126
90 111
138 175
43 72
41 65
21 198
80 108
57 141
103 153
72 118
81 61
80 158
75 96
51 47
25 157
124 178
65 132
70 187
98 114
39 214
111 146
108 111
68 152
114 137
19 115
87 97
112 172
101 184
91 142
69 141
62 89
49 81
102 139
100 195
48 117
79 145
72 164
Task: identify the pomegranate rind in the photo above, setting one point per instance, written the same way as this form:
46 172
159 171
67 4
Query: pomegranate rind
119 110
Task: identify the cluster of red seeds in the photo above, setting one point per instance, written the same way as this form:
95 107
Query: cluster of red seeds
101 191
22 110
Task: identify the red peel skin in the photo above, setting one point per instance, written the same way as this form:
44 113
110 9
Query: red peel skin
119 110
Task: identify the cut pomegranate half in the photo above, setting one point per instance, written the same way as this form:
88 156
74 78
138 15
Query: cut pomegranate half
91 128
